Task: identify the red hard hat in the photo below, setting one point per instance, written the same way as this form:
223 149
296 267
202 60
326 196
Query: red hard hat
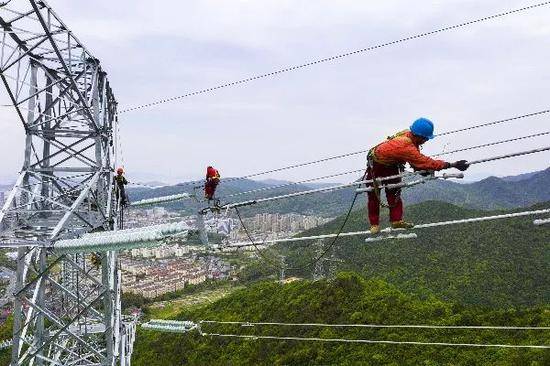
120 171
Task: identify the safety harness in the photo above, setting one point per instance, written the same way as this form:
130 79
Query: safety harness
371 159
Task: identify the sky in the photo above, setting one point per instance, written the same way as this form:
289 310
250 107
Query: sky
153 50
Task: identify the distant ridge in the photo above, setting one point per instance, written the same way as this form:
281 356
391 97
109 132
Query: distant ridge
487 194
520 177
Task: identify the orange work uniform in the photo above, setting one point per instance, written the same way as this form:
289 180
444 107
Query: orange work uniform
386 160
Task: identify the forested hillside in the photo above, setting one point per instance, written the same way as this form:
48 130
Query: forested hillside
346 299
496 263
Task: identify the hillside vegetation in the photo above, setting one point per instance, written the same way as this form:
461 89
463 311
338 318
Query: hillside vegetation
346 299
497 263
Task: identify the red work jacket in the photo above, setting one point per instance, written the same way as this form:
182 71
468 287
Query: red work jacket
401 149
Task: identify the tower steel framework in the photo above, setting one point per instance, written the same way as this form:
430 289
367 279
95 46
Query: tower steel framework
66 310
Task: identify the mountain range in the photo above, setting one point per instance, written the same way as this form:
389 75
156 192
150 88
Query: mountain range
487 194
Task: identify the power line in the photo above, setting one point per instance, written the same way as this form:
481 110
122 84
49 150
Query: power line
337 57
360 170
493 143
188 326
343 186
495 122
341 156
269 188
355 153
541 222
276 170
415 326
371 341
508 156
416 227
294 183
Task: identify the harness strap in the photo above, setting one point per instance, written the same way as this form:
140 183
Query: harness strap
371 159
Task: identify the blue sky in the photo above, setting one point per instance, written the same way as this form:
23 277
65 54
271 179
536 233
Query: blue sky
154 50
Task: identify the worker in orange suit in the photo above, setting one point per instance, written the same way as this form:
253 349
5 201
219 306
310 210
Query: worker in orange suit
211 183
388 159
120 183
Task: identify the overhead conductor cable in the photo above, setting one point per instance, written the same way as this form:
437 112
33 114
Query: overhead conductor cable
340 56
359 183
372 341
187 326
360 152
183 196
389 230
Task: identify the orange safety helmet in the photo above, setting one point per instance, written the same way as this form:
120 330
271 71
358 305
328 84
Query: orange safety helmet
120 171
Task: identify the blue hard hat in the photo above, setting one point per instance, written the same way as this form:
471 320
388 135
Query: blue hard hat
423 127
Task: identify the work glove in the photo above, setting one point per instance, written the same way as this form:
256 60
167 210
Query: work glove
461 165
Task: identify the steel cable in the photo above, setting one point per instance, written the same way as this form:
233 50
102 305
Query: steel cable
337 57
346 155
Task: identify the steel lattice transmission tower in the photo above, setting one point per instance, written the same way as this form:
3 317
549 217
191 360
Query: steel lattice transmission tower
66 310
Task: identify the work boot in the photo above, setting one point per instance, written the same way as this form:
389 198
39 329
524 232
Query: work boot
401 224
375 229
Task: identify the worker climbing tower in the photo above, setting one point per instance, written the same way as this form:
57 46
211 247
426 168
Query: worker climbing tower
66 309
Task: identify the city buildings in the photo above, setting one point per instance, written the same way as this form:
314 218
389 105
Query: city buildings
154 271
153 278
273 226
161 252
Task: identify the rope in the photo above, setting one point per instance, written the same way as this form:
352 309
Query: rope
337 57
312 262
260 252
333 243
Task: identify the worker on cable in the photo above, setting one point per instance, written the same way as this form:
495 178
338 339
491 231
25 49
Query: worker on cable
120 191
212 181
388 159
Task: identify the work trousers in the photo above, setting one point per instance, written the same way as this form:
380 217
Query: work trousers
210 188
121 197
392 195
